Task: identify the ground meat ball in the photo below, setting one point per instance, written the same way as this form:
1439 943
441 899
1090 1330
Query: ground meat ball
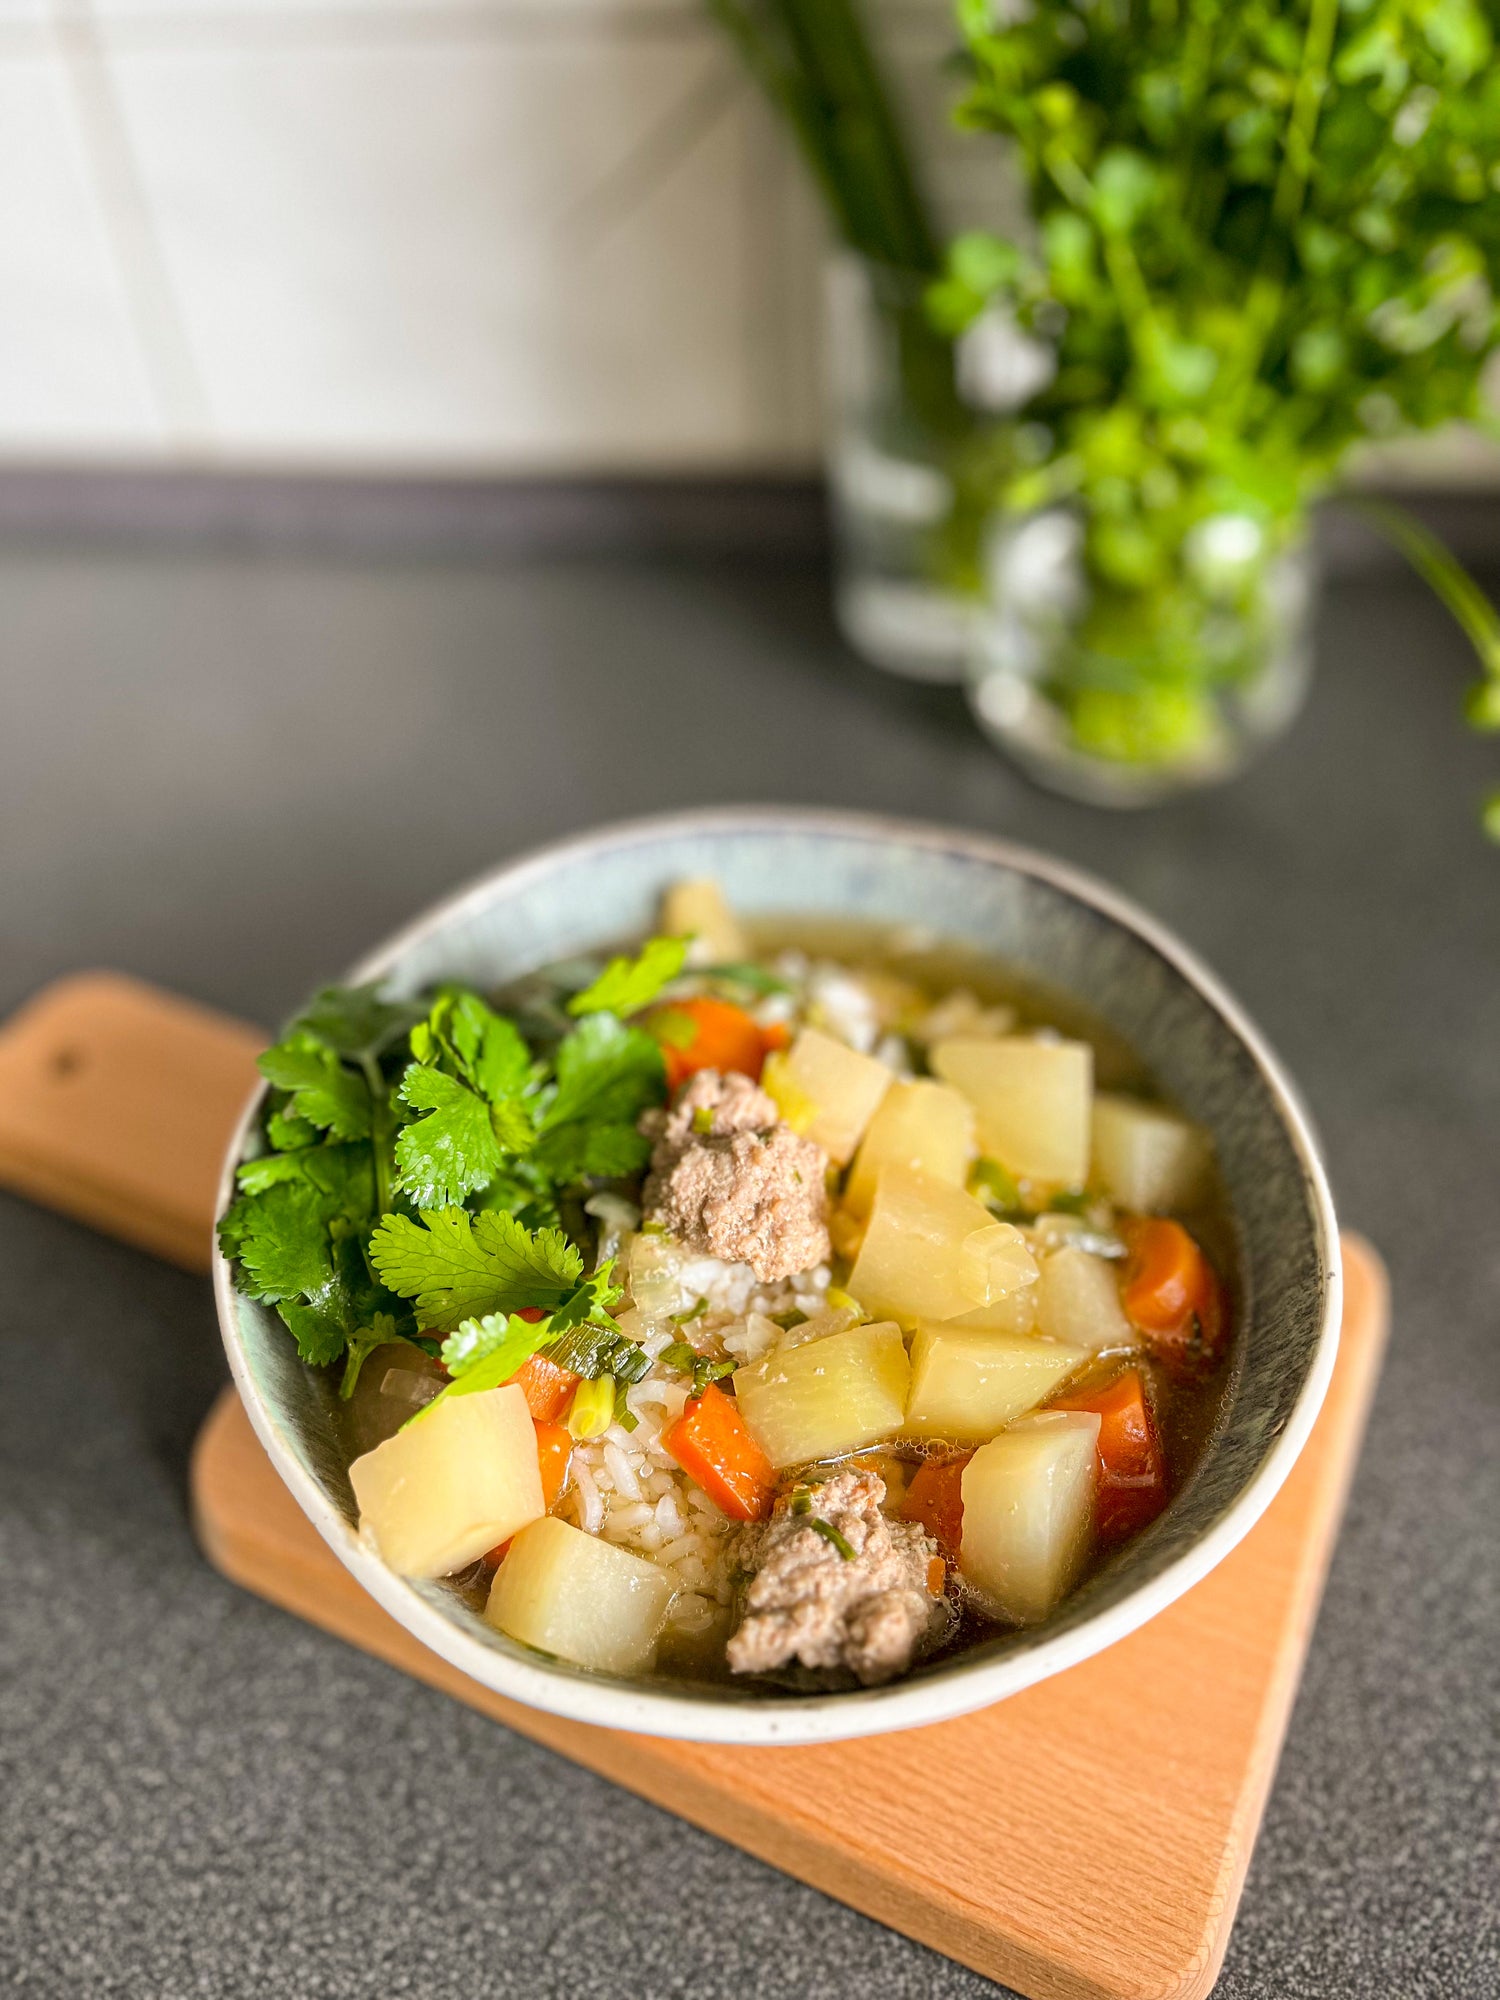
808 1602
729 1178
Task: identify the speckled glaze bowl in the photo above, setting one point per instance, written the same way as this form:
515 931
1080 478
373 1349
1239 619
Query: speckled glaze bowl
1049 922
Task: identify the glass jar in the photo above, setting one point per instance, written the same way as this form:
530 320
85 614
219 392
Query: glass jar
907 581
1125 697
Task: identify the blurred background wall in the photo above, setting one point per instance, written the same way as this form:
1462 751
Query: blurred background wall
422 236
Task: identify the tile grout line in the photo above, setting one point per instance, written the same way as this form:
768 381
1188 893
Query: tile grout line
172 373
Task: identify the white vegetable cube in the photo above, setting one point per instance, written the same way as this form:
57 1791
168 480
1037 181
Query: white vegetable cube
921 1124
444 1490
967 1384
827 1397
913 1263
580 1598
1146 1158
1078 1300
1028 1512
828 1091
1033 1099
697 909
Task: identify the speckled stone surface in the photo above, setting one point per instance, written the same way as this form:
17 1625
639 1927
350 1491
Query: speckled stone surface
231 774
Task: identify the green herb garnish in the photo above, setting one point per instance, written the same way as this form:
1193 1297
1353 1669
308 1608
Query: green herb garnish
831 1534
626 985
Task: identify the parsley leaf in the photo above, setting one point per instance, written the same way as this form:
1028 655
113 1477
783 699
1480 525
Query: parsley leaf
322 1091
459 1266
628 984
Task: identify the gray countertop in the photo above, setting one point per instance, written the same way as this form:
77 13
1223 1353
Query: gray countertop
231 773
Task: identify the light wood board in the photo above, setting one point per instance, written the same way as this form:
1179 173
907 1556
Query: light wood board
1085 1840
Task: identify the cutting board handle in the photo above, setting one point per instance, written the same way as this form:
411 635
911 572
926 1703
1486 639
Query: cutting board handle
117 1102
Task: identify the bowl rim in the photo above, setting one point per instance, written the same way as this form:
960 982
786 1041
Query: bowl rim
664 1711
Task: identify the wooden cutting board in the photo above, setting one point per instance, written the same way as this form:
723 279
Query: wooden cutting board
1094 1832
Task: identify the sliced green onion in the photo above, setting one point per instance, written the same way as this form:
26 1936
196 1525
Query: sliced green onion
694 1312
831 1534
592 1409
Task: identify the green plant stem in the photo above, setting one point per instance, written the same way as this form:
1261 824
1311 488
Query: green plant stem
1297 156
1444 575
813 60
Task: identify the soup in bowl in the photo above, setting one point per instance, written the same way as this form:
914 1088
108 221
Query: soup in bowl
773 1277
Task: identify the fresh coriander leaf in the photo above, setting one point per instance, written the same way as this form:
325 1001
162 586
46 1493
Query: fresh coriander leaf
477 1339
288 1135
482 1048
594 1301
379 1333
280 1239
319 1329
458 1147
607 1074
322 1091
608 1152
459 1266
628 984
355 1022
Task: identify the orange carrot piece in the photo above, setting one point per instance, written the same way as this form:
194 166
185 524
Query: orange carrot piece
1173 1295
937 1577
546 1387
1132 1470
706 1034
712 1443
935 1499
554 1451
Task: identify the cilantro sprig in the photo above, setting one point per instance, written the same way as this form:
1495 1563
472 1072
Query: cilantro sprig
420 1156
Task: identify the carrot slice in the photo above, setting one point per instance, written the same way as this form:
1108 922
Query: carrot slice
1132 1469
546 1387
706 1034
1173 1295
935 1499
712 1443
554 1451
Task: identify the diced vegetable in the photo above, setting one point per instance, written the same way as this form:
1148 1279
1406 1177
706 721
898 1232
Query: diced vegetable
994 1262
580 1598
966 1385
1078 1299
935 1499
1033 1099
698 910
921 1124
712 1443
1173 1294
1028 1507
912 1263
1146 1158
554 1456
828 1091
828 1397
592 1409
462 1476
705 1033
1132 1471
546 1387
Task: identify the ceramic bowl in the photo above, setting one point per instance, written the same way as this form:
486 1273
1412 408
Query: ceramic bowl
1048 921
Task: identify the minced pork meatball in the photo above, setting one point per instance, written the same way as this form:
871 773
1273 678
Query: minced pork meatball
729 1177
807 1600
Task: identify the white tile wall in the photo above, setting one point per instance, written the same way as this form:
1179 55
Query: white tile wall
456 235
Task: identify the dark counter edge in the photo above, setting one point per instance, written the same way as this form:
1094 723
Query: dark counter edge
774 516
